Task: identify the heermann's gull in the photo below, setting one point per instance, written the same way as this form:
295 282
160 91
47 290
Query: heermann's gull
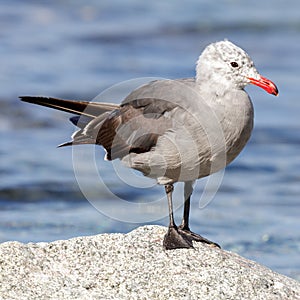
175 130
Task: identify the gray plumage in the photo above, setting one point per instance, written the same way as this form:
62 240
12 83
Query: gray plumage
175 130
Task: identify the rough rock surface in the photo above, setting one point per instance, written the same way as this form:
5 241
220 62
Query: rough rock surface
134 266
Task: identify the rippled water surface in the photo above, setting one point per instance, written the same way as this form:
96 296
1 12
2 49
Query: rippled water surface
77 49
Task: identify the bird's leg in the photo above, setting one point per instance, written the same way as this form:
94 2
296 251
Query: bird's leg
184 228
169 188
188 190
173 238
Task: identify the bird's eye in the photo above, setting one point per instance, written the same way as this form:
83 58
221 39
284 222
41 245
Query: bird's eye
234 64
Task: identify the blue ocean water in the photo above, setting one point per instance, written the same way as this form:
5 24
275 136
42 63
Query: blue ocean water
76 50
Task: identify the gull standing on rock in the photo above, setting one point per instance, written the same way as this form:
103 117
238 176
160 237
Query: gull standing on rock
175 130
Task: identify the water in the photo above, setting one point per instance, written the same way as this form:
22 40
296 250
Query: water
78 49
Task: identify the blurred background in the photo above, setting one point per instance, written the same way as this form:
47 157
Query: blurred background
76 49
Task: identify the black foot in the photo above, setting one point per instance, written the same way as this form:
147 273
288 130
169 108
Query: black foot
191 236
175 239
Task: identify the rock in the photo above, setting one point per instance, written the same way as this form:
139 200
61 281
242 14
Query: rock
134 266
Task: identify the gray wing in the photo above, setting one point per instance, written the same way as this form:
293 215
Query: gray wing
131 128
143 116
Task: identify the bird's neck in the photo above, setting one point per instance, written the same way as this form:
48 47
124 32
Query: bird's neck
215 87
213 82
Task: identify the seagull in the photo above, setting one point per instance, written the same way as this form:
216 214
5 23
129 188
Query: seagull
175 130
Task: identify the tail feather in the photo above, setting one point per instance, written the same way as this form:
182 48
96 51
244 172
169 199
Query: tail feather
78 138
89 109
89 118
70 143
80 121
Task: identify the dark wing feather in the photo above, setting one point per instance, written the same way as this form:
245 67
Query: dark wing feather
125 130
85 111
134 126
80 121
89 109
152 107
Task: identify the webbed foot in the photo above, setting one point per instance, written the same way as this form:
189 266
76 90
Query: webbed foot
191 236
175 239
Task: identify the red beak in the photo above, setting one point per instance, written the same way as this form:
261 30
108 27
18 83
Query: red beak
266 84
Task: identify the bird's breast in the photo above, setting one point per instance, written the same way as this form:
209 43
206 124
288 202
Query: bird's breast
237 124
199 142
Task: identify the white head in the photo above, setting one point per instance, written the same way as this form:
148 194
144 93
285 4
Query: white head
225 64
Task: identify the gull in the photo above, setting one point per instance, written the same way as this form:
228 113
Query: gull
175 130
